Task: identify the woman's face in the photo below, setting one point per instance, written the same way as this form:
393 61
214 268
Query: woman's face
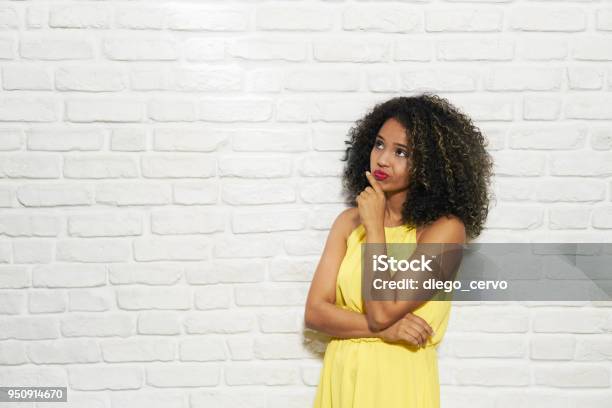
390 156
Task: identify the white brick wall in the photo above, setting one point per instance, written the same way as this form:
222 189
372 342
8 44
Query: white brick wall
170 171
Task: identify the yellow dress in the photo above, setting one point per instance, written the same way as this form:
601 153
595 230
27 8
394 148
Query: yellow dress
372 373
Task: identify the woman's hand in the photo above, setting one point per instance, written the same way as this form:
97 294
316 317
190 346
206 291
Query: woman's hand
371 204
410 329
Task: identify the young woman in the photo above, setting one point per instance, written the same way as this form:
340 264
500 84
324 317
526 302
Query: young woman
416 172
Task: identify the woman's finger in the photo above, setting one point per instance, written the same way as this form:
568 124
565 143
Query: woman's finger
373 182
416 334
410 338
422 322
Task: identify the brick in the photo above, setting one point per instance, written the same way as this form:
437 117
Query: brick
100 167
54 47
491 319
382 19
244 110
33 251
585 78
440 79
292 269
89 79
247 246
133 193
92 325
14 277
568 19
140 49
571 190
188 140
172 110
213 297
194 19
104 110
12 353
267 221
105 378
470 20
285 295
488 345
309 80
521 78
541 49
79 16
602 217
243 373
270 140
159 323
129 140
242 166
257 192
589 107
574 376
91 300
203 349
221 79
92 250
46 302
65 139
515 217
272 17
153 399
279 346
64 351
552 347
140 18
204 49
29 108
105 224
268 50
513 163
226 271
590 48
541 108
548 138
218 322
569 321
159 298
29 328
493 374
53 195
581 163
26 77
187 221
13 303
178 166
183 376
141 350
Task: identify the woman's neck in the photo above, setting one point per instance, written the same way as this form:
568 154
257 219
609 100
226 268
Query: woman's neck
394 204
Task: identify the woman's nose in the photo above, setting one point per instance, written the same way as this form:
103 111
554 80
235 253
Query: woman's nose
383 158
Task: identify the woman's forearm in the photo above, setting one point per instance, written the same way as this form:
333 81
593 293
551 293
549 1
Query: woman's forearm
341 323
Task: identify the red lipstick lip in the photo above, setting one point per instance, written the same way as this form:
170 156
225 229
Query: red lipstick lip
381 175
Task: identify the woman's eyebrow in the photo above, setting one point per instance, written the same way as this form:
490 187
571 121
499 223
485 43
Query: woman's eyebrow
398 144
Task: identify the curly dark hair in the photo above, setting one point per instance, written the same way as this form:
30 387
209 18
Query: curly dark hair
451 169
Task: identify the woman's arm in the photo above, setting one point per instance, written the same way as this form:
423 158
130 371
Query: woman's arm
323 315
383 313
321 312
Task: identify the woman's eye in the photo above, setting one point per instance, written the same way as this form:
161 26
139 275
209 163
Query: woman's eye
378 143
403 152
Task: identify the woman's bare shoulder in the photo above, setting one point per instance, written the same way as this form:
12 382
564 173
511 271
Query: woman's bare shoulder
349 219
448 228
